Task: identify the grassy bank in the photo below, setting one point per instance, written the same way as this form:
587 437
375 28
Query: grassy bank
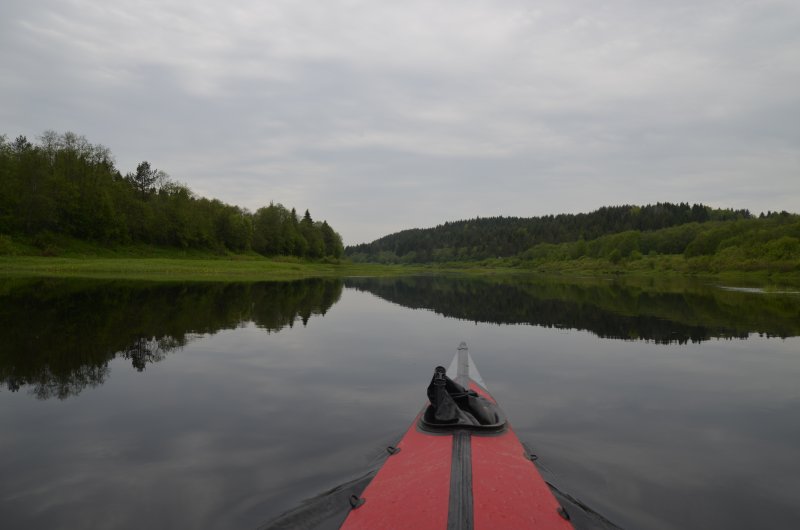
236 268
66 257
754 273
248 268
70 258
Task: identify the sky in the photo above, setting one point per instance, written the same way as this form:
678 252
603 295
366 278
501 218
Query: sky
379 116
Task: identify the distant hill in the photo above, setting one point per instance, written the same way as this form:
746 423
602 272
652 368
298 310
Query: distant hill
492 237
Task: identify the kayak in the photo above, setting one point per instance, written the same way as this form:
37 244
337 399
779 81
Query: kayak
458 466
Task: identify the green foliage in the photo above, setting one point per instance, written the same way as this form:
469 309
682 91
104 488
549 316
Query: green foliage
483 238
66 186
7 247
769 243
272 230
312 233
783 248
146 180
331 240
694 239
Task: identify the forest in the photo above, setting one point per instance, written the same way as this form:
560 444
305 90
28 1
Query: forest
65 186
709 238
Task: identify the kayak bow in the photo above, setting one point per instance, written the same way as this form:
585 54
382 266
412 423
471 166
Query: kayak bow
459 466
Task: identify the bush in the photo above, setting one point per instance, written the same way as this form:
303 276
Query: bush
47 243
784 248
6 246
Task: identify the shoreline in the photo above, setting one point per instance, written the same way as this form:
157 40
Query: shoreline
248 268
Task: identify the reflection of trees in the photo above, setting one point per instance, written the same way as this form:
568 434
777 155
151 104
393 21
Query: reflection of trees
47 384
144 350
660 312
58 337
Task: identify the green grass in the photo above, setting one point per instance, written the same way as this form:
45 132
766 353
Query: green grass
65 257
247 268
238 268
171 265
663 266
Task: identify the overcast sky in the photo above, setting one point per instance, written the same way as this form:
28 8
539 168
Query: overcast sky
384 115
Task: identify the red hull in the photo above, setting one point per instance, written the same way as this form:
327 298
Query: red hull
420 488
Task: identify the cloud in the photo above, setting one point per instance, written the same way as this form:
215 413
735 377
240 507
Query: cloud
380 116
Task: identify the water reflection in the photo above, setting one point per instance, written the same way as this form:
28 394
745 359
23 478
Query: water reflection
241 423
658 311
58 337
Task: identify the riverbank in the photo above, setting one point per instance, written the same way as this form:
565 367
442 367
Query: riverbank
254 268
65 257
762 275
759 273
237 268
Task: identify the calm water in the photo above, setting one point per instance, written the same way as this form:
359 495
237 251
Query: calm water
129 405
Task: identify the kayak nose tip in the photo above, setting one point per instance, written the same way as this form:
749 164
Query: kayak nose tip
440 370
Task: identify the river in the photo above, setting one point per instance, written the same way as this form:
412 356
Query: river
659 404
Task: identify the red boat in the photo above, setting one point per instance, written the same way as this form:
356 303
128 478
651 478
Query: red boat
459 466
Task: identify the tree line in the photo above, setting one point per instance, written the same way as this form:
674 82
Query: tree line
492 237
766 242
65 185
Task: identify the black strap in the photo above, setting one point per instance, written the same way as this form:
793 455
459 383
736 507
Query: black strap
460 511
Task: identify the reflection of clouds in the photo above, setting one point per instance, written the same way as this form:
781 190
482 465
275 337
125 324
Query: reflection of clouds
242 425
239 427
641 427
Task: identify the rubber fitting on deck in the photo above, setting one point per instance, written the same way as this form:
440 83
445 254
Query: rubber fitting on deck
356 501
392 450
563 513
